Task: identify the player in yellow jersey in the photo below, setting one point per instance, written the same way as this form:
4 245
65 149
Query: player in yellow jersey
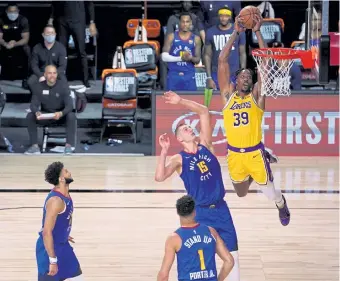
243 108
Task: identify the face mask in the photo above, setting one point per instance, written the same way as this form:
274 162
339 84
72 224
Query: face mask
12 16
68 181
49 38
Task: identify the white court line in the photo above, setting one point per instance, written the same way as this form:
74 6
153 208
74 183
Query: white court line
74 154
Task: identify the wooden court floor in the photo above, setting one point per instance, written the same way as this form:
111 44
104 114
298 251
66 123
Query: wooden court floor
122 218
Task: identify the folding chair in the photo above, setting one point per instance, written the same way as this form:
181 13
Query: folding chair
56 134
119 101
142 54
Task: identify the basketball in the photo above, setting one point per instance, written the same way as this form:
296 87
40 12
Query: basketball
246 16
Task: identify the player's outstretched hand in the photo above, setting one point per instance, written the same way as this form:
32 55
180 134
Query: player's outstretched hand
171 97
238 25
71 239
164 141
53 269
258 19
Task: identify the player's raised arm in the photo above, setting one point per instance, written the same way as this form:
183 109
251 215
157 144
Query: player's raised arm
201 110
223 73
224 254
54 206
169 257
262 44
163 170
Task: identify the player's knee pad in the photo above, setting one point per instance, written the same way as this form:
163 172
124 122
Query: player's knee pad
270 191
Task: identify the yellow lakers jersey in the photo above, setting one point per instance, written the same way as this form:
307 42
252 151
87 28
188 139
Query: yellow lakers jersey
242 121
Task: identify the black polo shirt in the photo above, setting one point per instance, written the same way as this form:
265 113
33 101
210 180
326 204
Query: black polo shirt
41 57
51 99
12 30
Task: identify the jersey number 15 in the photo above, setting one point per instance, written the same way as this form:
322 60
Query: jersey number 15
241 118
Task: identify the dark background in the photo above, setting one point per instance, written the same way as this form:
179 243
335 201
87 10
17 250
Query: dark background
111 19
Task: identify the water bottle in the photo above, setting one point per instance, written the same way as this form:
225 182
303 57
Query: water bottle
9 145
86 147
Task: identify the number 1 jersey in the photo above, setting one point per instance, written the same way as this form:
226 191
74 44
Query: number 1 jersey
242 121
196 257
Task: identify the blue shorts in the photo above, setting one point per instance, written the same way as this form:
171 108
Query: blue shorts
214 77
68 265
181 81
220 219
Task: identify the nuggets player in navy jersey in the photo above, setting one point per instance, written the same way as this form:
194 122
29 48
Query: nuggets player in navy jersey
201 173
195 246
55 257
182 50
243 111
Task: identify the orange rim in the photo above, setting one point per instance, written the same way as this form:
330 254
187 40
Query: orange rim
286 54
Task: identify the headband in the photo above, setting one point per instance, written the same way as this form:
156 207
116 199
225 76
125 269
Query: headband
224 11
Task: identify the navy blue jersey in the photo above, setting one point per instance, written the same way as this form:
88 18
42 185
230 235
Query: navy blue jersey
202 176
196 257
63 224
217 38
178 47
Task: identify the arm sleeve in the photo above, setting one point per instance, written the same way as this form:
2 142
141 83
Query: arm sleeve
169 58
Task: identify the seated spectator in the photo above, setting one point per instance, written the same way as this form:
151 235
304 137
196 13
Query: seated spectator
51 96
216 38
182 50
51 52
210 8
14 37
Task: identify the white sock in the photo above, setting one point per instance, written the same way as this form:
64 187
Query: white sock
77 278
234 274
273 194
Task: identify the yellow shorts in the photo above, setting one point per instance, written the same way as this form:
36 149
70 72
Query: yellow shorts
254 164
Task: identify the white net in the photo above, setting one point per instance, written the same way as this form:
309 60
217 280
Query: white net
274 72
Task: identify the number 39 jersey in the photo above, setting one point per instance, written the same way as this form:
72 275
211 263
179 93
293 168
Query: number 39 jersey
243 121
202 176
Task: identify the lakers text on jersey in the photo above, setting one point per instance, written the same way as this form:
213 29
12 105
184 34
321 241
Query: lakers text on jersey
242 121
196 257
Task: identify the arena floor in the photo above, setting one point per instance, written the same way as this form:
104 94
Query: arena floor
122 218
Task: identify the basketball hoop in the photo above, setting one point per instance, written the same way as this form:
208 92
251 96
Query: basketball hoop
274 65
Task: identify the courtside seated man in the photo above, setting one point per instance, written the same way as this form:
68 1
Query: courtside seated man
55 257
51 96
201 173
243 113
195 246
